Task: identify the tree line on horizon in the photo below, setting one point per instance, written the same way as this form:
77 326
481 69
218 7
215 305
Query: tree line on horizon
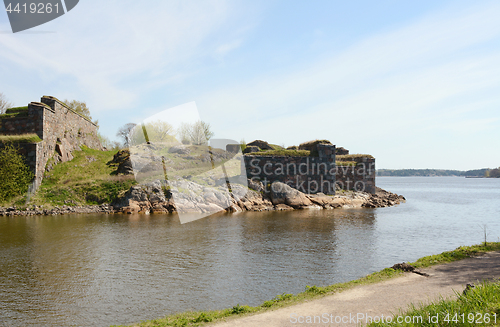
484 172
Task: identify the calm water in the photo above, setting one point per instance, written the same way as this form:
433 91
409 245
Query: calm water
98 270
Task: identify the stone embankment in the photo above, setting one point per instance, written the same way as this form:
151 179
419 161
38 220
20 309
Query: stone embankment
150 198
58 210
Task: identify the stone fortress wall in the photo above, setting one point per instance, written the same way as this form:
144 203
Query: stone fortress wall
313 174
307 174
60 129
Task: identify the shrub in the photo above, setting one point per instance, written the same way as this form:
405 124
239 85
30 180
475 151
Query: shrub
14 173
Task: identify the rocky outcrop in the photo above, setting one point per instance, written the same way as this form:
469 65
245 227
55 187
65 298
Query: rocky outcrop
263 145
281 193
121 160
341 151
251 148
382 198
187 196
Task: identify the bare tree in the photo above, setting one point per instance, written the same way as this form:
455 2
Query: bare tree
183 133
197 133
4 104
160 131
124 133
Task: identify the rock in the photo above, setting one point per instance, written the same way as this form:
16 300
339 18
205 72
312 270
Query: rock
179 149
313 145
282 193
341 151
403 266
293 147
282 207
122 159
325 201
254 201
255 185
383 198
251 149
63 149
263 145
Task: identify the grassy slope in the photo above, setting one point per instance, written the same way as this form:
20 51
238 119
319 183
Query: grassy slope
200 317
87 179
480 306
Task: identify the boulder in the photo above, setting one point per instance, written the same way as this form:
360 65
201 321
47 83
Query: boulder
282 193
263 145
179 149
250 149
122 159
63 149
341 151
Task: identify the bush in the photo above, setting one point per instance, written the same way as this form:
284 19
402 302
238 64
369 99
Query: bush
14 173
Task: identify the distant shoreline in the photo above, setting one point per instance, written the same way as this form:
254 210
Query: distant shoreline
433 173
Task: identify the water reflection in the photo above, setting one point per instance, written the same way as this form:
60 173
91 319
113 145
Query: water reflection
99 270
106 269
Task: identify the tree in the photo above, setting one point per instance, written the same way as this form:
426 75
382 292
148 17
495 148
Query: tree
124 133
197 133
494 173
81 108
14 173
4 104
107 143
160 131
183 133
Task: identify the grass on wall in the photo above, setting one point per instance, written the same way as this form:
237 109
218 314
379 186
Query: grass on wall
281 153
23 138
87 179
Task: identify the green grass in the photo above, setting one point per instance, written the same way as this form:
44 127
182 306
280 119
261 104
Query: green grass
345 163
282 153
23 138
352 157
14 114
480 306
197 318
457 254
87 179
16 109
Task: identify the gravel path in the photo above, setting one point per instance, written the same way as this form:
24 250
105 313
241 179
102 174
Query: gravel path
384 298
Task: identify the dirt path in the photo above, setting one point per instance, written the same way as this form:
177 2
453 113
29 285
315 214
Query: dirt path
384 298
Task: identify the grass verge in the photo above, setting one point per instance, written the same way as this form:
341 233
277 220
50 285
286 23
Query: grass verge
479 306
197 318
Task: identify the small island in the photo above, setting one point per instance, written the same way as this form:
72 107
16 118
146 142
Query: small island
65 169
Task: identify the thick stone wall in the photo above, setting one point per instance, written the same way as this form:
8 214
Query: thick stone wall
360 177
61 129
309 175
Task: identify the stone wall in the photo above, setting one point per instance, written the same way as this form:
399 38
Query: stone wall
309 175
360 177
61 130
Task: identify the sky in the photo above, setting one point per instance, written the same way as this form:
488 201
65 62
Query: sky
416 84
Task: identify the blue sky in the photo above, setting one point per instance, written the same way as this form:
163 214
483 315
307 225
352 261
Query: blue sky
416 84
